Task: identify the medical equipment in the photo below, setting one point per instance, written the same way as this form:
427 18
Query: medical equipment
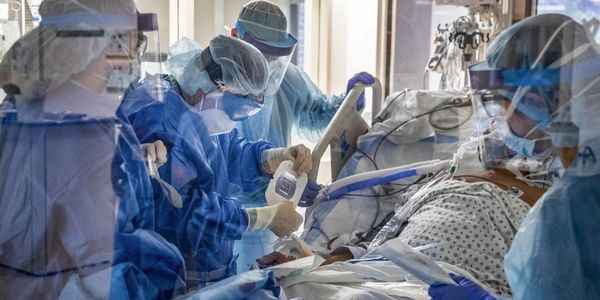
380 177
286 185
343 131
465 40
393 226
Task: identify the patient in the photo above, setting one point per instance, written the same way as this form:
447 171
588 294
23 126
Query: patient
468 222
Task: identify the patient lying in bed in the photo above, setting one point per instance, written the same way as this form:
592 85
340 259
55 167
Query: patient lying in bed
468 222
470 225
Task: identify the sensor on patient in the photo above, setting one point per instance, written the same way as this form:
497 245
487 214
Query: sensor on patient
286 185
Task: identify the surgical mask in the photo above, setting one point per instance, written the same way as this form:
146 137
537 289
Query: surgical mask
214 117
516 143
239 108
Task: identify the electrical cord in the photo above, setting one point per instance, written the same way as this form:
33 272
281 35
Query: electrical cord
437 109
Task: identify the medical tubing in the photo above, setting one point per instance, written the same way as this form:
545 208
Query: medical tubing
461 123
404 123
373 178
391 229
394 192
378 118
390 215
371 182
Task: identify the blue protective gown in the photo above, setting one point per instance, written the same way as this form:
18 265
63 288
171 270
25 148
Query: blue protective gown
206 171
555 252
299 103
97 211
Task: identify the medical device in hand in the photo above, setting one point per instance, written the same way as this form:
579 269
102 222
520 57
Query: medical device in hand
169 191
286 185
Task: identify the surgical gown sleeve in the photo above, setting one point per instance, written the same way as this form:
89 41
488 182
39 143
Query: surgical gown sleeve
298 104
314 110
555 252
244 165
202 169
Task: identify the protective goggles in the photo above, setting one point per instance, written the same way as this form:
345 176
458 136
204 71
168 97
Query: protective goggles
236 107
534 103
239 107
483 76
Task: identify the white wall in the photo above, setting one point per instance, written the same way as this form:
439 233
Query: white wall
211 17
353 41
161 8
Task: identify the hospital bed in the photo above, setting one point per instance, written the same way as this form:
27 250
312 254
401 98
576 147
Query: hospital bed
345 137
412 131
416 133
344 129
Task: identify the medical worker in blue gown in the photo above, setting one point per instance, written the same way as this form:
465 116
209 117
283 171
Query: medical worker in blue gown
77 213
193 111
550 72
291 100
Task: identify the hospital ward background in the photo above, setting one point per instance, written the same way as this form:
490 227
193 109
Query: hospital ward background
299 149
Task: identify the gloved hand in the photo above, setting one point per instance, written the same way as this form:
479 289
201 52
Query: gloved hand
310 193
299 154
466 289
281 218
157 152
364 78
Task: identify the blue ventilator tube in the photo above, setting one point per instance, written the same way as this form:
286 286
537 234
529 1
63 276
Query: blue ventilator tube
370 179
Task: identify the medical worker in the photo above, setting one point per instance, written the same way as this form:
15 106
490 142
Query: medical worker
291 99
77 213
549 77
193 111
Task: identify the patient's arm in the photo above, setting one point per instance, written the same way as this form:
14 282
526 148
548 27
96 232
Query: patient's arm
342 255
272 259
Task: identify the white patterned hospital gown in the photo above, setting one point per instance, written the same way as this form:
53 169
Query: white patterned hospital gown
469 225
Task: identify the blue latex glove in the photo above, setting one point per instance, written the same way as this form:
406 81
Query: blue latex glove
310 193
364 78
466 290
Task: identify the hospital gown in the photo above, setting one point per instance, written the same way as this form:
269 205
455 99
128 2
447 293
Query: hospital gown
469 225
206 171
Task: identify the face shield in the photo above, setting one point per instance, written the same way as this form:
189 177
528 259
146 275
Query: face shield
149 51
134 54
511 119
277 54
526 114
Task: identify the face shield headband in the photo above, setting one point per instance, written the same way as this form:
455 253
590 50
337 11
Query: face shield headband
278 58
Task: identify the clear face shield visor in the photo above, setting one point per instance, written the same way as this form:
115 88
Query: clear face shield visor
132 53
150 55
513 112
278 56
